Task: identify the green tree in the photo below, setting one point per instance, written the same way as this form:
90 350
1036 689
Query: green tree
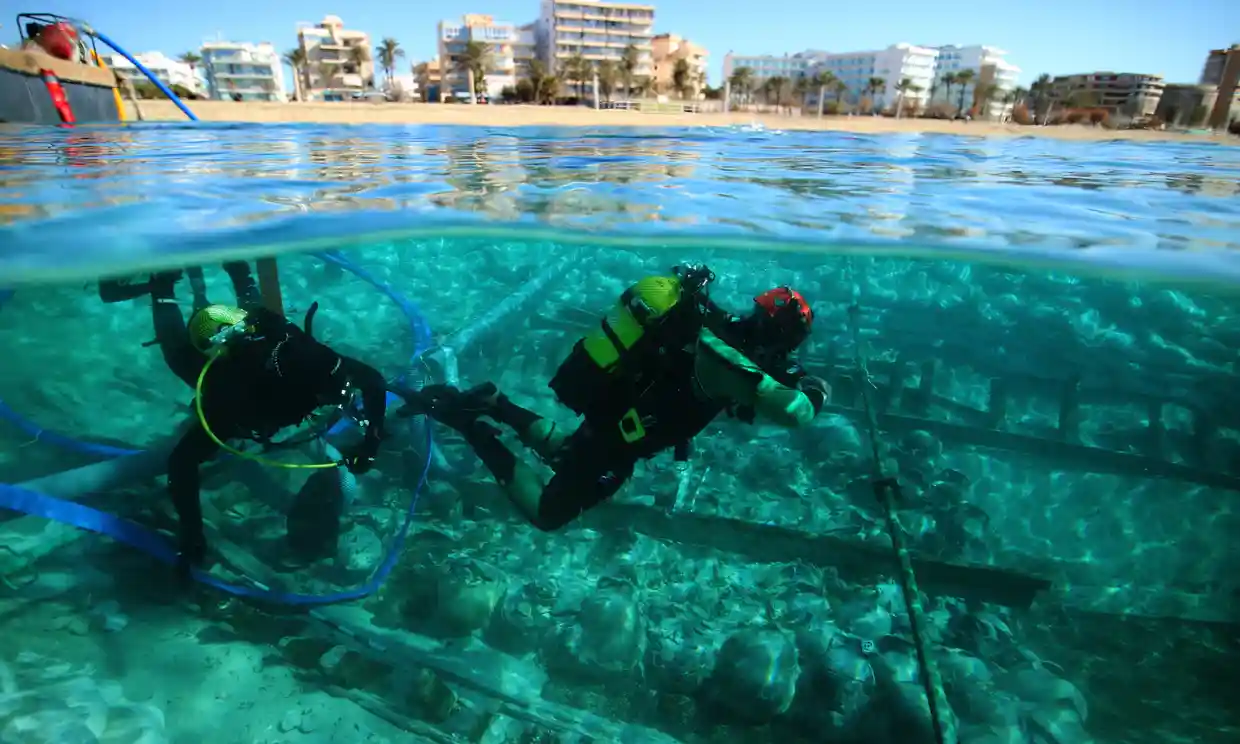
1041 90
296 59
387 53
821 81
949 80
577 70
629 62
474 62
682 78
607 74
742 82
904 88
872 87
841 88
963 79
543 87
327 75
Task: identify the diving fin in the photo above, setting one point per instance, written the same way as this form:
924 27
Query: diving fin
308 323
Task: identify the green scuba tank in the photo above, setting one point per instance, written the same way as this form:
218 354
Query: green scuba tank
597 378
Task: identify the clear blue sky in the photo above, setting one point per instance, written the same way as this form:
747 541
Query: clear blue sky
1054 36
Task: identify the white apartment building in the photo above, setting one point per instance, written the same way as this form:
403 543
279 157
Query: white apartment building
765 66
339 61
597 30
499 39
893 64
167 70
988 66
243 71
525 48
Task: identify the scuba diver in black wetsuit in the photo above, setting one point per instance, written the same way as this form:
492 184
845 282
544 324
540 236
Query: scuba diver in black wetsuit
665 362
253 372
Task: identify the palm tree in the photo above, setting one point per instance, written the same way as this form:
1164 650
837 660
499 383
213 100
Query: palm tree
577 70
387 53
949 79
474 62
296 59
606 72
742 82
540 82
327 74
983 94
192 60
358 57
841 88
1041 89
629 63
682 78
822 80
904 87
647 86
963 78
872 87
1015 97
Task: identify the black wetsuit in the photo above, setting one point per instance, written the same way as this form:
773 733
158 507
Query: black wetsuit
275 379
690 388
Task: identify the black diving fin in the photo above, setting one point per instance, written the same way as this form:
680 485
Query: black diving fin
308 323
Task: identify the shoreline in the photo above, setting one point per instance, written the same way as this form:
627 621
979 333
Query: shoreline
572 116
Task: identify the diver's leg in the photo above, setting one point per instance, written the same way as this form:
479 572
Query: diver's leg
541 435
587 473
243 284
198 287
170 333
120 290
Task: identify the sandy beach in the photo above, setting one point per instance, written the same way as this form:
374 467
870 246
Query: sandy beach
516 116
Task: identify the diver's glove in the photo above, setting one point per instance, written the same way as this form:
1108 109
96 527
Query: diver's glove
454 408
817 390
361 461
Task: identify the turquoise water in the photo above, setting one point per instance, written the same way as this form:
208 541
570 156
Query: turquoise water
1050 328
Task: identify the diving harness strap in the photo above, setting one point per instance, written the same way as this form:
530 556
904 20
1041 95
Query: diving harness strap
887 491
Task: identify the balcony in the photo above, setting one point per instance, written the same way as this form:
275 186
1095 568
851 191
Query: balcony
256 75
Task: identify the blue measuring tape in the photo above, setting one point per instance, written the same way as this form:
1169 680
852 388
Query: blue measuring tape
16 498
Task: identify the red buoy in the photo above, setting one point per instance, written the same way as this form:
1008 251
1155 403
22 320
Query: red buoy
59 99
59 40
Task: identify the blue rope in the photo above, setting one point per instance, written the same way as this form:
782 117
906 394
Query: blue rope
141 68
130 533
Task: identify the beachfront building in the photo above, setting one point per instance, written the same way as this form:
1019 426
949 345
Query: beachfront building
1222 70
242 71
525 49
1128 94
763 67
429 77
170 72
595 30
339 63
667 51
897 62
492 41
989 70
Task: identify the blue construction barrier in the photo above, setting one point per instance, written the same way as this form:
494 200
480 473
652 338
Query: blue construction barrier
23 500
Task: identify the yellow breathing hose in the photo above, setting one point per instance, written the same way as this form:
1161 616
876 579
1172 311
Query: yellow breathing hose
202 419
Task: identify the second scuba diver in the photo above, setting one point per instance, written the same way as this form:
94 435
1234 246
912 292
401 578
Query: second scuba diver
254 373
662 365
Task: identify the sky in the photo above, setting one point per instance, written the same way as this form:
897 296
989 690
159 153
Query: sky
1051 36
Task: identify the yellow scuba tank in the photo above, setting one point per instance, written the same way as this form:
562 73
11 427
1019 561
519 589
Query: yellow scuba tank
641 306
596 378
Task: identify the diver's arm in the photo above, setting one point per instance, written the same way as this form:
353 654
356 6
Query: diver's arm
194 448
724 373
374 398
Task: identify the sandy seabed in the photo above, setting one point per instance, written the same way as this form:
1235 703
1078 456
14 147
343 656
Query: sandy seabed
515 116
